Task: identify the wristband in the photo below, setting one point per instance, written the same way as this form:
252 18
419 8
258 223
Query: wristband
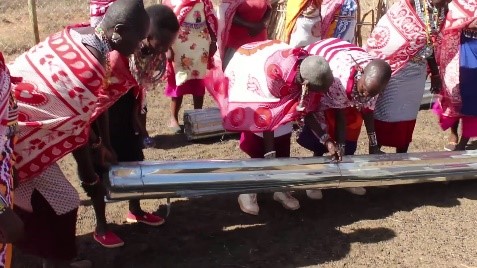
91 183
98 144
324 138
3 204
341 147
270 155
373 141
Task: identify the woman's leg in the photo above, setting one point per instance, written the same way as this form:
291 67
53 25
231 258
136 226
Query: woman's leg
49 236
454 136
198 101
462 144
176 103
102 234
136 214
402 150
453 141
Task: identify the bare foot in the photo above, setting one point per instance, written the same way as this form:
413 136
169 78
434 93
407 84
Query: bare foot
174 127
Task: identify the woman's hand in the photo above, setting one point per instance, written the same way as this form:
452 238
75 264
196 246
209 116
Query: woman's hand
212 50
335 152
375 150
104 157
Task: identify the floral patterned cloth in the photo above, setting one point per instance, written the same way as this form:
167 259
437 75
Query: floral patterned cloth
191 49
8 124
461 14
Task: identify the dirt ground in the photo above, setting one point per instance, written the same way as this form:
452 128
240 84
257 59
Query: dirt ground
429 225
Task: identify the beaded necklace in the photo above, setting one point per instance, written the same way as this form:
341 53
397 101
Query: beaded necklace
432 24
148 68
358 101
105 49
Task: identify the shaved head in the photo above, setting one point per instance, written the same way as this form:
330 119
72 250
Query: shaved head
129 21
376 76
316 71
129 12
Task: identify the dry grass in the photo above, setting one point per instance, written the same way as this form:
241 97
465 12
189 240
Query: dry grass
16 30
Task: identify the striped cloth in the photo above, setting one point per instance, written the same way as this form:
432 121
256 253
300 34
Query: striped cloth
342 57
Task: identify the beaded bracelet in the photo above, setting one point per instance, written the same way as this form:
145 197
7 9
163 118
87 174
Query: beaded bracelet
3 204
373 141
324 138
270 155
98 144
91 183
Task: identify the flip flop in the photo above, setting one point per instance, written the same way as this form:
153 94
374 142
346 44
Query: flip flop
450 146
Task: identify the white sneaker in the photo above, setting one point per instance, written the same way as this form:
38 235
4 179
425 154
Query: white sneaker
248 203
287 200
356 190
314 194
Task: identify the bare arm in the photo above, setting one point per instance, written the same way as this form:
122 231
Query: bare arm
268 141
237 20
83 157
436 83
102 123
432 63
368 118
340 129
138 123
325 139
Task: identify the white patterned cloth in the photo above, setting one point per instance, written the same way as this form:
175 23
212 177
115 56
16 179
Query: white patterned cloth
53 186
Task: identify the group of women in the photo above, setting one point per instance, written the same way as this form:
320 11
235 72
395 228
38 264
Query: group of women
54 98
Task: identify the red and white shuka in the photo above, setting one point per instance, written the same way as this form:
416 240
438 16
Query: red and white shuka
59 96
342 57
398 36
97 10
461 14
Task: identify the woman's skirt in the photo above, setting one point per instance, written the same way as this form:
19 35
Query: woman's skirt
468 83
397 107
194 87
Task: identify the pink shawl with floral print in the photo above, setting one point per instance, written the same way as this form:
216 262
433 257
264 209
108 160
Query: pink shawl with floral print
258 91
461 14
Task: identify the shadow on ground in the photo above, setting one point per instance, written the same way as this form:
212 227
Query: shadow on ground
173 141
212 232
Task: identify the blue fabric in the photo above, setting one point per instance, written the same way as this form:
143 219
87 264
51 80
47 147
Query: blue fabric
345 26
468 75
308 141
